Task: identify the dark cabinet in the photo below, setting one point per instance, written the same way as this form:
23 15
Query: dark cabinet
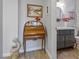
65 38
60 45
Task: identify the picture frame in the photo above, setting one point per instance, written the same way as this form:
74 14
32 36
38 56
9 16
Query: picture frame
34 10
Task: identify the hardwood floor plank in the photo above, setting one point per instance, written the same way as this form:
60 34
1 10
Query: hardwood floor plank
33 55
70 53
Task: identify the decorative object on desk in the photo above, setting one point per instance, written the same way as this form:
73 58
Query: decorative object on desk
37 18
33 23
34 10
15 49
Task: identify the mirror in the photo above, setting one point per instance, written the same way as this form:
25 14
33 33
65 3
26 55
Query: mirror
66 11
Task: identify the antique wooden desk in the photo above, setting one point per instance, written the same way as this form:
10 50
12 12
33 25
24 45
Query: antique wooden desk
33 30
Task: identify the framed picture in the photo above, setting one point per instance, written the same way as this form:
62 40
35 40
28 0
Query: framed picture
34 10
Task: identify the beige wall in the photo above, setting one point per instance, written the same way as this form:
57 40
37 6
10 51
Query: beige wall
77 11
53 40
10 24
1 49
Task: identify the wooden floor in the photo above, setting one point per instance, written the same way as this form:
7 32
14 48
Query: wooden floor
34 55
68 53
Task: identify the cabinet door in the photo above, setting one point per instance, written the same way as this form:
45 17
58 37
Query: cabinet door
69 40
60 41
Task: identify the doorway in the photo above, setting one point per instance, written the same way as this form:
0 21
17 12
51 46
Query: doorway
66 30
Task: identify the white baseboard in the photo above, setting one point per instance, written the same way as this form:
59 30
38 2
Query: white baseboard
21 51
32 49
50 56
6 54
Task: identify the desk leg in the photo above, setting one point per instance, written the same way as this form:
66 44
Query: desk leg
43 44
24 46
